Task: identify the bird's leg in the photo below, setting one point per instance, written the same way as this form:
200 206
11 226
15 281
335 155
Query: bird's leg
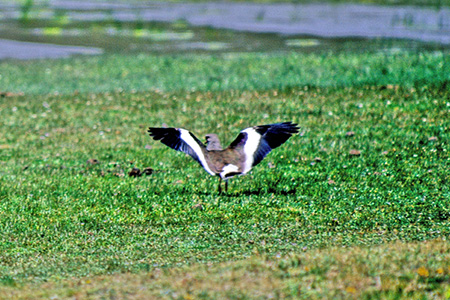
226 186
220 188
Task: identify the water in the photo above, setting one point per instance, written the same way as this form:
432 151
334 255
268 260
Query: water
62 28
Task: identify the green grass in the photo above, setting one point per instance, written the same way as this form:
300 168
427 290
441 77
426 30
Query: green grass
234 71
63 220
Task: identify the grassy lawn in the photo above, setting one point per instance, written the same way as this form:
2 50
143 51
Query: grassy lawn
357 205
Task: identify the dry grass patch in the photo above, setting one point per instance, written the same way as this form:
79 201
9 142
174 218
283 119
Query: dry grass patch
414 270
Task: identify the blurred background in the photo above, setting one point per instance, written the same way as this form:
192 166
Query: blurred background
59 28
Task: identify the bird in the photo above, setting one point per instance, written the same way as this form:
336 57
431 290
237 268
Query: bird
246 151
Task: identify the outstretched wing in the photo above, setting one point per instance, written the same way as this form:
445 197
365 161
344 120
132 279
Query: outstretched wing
181 140
256 142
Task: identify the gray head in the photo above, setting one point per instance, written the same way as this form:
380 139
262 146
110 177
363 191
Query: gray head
212 142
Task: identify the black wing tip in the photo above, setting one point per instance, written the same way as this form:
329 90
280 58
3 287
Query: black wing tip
154 131
274 135
283 127
289 124
290 127
160 132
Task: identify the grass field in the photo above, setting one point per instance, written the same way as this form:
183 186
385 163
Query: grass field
356 206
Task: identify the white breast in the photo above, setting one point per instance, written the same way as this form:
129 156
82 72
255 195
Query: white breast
228 169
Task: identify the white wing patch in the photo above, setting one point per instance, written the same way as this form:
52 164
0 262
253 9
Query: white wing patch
186 136
230 168
250 147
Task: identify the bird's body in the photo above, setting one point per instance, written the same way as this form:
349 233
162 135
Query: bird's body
246 151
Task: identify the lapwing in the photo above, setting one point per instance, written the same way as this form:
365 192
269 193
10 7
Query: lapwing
246 151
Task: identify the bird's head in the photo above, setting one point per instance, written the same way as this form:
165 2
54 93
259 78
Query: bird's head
212 142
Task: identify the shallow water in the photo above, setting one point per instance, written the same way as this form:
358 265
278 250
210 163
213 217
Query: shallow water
161 27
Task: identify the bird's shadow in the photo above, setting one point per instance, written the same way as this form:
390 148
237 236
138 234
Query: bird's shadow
260 192
252 192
